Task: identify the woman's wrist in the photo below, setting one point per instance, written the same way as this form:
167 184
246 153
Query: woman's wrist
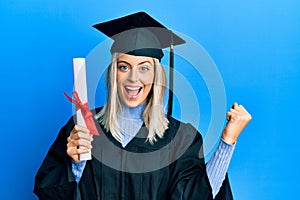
229 139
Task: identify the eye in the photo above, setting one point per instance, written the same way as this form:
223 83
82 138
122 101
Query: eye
144 68
123 67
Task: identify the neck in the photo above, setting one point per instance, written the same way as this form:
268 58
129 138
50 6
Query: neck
132 113
130 121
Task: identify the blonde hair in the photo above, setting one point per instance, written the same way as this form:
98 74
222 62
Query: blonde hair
153 115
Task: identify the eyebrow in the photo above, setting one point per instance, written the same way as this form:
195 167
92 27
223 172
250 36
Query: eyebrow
145 62
122 61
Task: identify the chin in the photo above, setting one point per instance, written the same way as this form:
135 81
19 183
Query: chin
132 104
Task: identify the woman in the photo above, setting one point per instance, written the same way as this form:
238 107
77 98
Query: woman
132 123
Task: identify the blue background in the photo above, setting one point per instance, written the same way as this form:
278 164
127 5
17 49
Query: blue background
255 44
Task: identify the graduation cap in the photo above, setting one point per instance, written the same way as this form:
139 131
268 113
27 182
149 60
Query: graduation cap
140 35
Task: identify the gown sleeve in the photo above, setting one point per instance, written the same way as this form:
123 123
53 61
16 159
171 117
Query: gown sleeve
189 179
54 179
217 166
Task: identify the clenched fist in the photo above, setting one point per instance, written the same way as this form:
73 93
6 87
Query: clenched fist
79 136
238 117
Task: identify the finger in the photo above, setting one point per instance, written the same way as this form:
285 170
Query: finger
74 152
76 144
246 114
233 112
79 128
82 151
244 110
239 108
70 144
230 114
242 107
81 132
76 141
235 104
69 138
82 143
80 135
85 136
234 115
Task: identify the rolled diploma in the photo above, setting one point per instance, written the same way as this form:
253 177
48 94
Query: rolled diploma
80 86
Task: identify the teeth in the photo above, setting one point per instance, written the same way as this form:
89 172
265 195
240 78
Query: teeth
133 91
133 88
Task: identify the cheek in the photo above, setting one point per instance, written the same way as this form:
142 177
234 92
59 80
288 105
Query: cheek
148 78
121 77
148 89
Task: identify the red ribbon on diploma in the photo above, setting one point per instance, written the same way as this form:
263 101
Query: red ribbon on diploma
86 113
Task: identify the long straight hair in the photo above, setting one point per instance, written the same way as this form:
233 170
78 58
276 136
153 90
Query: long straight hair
153 115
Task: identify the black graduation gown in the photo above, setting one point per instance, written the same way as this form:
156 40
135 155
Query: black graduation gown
172 168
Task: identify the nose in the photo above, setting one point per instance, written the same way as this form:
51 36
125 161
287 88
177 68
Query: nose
133 76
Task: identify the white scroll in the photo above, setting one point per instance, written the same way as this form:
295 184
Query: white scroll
80 85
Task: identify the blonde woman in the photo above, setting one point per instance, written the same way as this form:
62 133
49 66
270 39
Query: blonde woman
141 152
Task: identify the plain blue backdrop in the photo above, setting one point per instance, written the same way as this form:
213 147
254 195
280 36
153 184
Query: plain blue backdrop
255 44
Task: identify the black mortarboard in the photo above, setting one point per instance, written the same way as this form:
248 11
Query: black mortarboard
141 35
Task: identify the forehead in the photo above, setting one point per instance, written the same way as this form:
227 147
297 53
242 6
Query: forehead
131 59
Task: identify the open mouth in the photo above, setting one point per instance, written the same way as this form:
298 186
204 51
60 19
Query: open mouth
133 92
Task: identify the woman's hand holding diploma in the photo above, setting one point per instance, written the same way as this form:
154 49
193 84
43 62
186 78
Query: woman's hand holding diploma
79 136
